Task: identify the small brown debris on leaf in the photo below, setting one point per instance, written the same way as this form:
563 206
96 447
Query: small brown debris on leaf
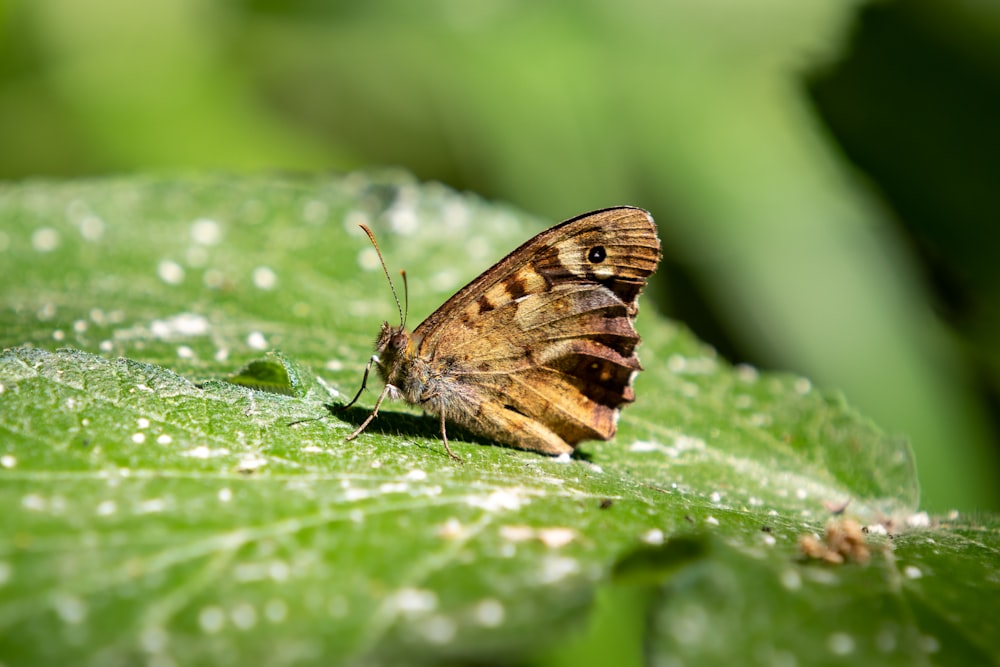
843 541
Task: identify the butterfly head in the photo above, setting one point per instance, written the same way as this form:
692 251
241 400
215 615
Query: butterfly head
393 342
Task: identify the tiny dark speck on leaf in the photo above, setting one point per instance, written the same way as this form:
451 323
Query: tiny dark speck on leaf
606 503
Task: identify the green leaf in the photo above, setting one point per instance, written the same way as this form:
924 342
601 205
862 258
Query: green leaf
274 374
156 510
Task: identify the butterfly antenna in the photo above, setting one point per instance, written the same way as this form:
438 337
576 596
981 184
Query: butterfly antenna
371 237
406 297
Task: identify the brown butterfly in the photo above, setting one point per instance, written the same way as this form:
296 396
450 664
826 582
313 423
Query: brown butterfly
538 352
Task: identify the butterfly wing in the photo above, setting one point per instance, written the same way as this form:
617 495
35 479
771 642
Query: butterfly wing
539 351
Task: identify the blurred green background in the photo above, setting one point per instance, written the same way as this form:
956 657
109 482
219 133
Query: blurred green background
825 174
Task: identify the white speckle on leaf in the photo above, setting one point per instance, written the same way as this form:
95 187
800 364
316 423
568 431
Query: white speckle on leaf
243 616
556 537
164 439
58 335
352 494
276 610
256 340
368 259
712 521
716 497
106 346
57 504
912 572
205 231
644 446
489 613
45 239
801 493
451 529
264 278
439 629
353 221
153 639
185 352
278 570
445 280
142 422
315 212
211 619
416 475
225 494
393 487
182 324
413 601
403 218
80 326
34 502
151 506
91 228
46 311
106 508
653 536
477 248
840 643
7 460
803 386
70 608
170 272
929 644
918 520
519 533
501 499
557 568
250 462
138 438
689 623
563 458
205 452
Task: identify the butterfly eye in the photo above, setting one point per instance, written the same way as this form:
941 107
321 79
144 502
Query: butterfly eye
597 254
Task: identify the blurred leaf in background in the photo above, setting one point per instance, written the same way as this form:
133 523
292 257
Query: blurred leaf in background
713 115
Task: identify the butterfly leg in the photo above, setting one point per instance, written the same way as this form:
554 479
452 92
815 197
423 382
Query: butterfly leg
364 383
444 438
374 413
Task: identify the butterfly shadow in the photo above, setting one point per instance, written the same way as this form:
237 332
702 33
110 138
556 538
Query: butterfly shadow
410 425
405 424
